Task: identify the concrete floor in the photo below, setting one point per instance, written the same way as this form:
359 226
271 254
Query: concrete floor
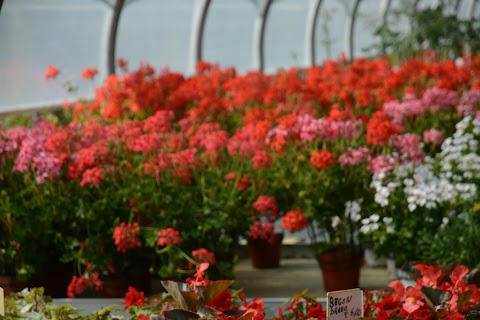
295 275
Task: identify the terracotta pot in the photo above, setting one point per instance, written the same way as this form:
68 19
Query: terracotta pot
341 268
265 254
10 284
115 288
56 279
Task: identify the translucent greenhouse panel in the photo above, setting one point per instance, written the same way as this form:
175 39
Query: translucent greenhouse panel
156 32
330 30
228 38
73 34
368 20
34 34
285 35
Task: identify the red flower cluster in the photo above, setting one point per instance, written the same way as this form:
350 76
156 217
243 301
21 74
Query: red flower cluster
203 255
198 279
182 132
89 73
262 230
266 205
80 284
133 298
241 182
126 236
294 220
380 128
169 236
322 159
458 297
302 307
51 72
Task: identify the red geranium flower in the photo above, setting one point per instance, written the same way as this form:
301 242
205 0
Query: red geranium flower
133 298
294 220
51 72
322 159
317 312
169 236
89 73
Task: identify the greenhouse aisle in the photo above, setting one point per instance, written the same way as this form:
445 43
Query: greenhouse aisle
295 275
275 286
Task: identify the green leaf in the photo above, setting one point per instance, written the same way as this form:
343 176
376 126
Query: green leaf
180 314
173 289
473 316
246 316
214 288
434 297
191 299
234 313
206 312
463 298
473 277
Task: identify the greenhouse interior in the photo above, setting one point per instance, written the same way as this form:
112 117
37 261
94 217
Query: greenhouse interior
180 159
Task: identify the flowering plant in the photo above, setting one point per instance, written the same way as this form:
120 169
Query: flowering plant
444 292
199 296
321 171
440 292
264 217
434 190
132 264
154 151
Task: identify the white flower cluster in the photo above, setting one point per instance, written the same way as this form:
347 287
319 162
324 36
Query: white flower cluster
372 223
352 213
458 163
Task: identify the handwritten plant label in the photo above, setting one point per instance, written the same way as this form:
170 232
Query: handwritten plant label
345 304
2 302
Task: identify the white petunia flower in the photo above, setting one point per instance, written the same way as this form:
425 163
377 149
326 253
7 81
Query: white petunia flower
336 222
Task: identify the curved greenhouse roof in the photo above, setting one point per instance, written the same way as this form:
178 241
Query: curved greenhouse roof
247 34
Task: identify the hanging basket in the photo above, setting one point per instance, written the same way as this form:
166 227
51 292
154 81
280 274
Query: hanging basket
265 254
341 268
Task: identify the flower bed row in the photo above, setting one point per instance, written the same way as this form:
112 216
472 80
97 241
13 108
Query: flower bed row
440 292
160 159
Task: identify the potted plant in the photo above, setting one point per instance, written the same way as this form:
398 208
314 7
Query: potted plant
30 219
324 185
416 200
264 239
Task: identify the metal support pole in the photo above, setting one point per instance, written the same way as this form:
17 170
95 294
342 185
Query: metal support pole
349 26
198 27
384 8
472 7
112 35
415 6
259 35
310 35
457 6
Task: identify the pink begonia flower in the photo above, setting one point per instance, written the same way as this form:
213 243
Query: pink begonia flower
439 99
352 157
468 103
408 147
433 136
381 163
34 156
409 107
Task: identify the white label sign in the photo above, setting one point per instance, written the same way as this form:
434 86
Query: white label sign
2 302
345 304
